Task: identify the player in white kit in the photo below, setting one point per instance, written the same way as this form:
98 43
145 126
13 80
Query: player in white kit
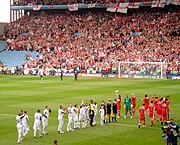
37 123
95 113
70 118
75 116
25 127
82 115
45 117
102 115
19 126
61 112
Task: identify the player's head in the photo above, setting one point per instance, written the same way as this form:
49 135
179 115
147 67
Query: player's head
132 94
151 101
38 111
55 142
127 96
70 105
91 101
145 95
46 107
19 114
25 112
61 107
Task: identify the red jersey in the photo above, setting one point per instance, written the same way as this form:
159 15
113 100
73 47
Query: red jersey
156 100
146 101
159 106
142 111
164 108
133 99
118 103
151 108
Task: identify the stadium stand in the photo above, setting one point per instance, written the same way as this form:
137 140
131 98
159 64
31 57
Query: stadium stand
15 58
2 45
97 40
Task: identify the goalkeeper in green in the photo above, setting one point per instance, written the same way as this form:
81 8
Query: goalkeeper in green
127 106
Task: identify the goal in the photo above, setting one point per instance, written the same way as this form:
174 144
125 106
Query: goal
142 70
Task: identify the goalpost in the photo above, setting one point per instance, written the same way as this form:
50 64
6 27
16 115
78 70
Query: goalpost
142 70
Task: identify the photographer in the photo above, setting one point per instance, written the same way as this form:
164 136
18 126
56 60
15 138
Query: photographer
167 134
175 132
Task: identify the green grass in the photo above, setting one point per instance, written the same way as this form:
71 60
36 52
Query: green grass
29 93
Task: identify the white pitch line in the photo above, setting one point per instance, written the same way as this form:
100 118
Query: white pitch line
7 114
135 126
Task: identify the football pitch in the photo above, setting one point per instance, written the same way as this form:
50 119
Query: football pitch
30 93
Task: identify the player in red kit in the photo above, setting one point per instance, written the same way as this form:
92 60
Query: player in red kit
133 100
151 113
164 112
159 109
146 101
118 101
142 119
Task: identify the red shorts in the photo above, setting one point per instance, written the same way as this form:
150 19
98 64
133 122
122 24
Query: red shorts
151 114
159 112
119 107
141 118
133 105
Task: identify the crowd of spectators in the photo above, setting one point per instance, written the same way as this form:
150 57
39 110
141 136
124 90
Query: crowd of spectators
97 40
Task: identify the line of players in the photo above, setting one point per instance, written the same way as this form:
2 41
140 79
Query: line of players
158 108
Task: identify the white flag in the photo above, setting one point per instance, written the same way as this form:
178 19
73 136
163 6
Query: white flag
134 5
168 2
123 7
112 7
92 5
37 7
73 7
176 2
158 3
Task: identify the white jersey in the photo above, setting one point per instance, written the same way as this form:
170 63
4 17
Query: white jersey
82 113
101 111
70 112
25 120
75 112
41 72
86 113
37 117
61 113
95 109
46 114
18 120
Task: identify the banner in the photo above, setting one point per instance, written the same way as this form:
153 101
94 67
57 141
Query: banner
158 3
93 5
37 7
118 7
175 2
112 7
123 7
134 5
73 7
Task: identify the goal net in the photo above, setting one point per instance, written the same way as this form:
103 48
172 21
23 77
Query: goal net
142 70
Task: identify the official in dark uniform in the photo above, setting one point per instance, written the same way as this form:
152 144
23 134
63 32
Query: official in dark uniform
109 110
114 108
